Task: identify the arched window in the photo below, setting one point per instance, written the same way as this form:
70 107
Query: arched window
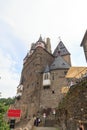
46 76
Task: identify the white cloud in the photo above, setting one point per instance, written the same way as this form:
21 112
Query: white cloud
9 77
26 20
30 18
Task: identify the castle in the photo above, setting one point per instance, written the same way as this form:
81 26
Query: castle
42 79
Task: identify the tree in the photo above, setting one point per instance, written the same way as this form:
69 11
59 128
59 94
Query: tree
4 105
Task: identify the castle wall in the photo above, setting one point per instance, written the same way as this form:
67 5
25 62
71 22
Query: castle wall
32 80
51 96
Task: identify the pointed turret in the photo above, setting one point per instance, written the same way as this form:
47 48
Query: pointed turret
40 42
62 51
40 39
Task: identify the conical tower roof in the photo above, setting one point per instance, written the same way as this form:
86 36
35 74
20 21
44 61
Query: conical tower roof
40 40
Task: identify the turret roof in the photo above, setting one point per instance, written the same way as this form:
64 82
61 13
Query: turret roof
61 50
33 46
59 63
40 40
84 38
47 69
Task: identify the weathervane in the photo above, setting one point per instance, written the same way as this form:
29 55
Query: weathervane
59 38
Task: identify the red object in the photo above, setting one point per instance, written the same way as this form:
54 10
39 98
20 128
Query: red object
14 113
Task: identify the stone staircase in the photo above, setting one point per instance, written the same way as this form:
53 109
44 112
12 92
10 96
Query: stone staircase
21 124
28 125
45 128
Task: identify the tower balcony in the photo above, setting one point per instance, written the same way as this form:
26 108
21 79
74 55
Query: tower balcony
46 82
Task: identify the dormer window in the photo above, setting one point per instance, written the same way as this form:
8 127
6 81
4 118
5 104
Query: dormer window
63 64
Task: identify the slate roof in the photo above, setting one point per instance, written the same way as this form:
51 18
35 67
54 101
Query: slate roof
61 50
84 38
59 63
40 40
33 46
47 69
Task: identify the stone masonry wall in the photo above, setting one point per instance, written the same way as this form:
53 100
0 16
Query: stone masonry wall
32 81
51 97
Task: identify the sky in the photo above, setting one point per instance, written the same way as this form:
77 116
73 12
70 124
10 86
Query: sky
23 21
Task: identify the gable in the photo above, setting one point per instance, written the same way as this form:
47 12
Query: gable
61 50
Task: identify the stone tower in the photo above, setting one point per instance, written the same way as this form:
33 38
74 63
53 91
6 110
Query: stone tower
48 45
84 44
42 80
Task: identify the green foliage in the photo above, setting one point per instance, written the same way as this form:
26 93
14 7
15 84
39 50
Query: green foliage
7 101
4 105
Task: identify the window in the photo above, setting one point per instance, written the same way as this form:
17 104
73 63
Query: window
53 91
46 76
22 80
52 77
63 63
65 72
37 82
46 87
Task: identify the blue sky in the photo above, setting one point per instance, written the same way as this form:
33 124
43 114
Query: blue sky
22 22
